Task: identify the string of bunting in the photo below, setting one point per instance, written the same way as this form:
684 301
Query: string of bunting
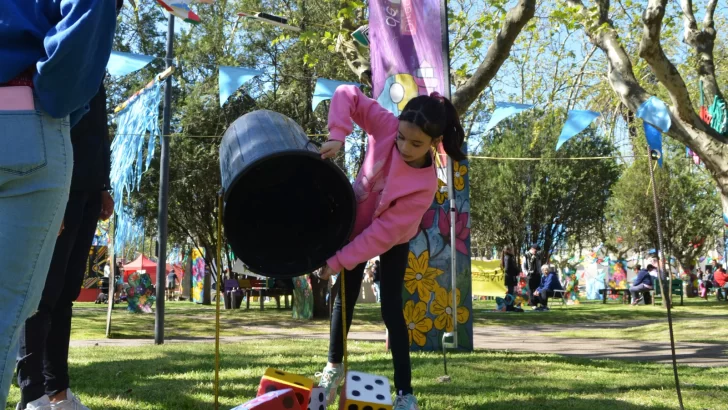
230 78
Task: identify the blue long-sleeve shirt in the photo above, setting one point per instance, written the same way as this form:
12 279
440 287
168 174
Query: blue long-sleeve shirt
549 283
66 43
643 277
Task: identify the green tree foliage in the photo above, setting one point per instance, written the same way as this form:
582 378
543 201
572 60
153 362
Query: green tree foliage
553 201
689 201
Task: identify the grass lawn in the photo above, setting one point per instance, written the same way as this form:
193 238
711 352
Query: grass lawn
699 330
185 319
595 311
179 376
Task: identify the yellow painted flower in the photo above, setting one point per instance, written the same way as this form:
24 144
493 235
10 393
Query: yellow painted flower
418 324
442 308
420 276
460 172
441 194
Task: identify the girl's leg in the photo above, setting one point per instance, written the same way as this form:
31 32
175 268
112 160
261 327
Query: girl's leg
394 263
353 286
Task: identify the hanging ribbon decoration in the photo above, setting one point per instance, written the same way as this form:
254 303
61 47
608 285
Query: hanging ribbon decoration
139 117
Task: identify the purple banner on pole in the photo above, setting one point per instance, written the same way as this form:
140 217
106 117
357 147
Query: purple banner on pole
406 50
409 57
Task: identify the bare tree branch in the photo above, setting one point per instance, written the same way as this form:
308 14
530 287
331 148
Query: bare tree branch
703 42
574 92
498 52
651 50
620 72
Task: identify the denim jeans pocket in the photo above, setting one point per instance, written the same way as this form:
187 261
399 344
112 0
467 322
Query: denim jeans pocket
22 142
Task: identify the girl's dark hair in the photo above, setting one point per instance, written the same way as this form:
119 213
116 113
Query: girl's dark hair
436 116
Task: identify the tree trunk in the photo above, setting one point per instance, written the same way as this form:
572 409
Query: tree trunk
686 127
319 289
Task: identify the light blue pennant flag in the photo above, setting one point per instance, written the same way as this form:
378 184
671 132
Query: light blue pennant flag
325 90
504 110
121 63
654 139
576 122
231 78
656 113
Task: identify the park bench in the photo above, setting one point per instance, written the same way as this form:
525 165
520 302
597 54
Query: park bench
263 289
626 296
677 290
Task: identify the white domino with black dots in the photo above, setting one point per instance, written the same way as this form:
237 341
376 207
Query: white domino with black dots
368 388
317 401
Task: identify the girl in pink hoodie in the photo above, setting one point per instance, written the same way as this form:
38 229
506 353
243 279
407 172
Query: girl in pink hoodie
395 187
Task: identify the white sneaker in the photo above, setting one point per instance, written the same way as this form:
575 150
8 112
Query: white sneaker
71 403
331 378
406 402
44 403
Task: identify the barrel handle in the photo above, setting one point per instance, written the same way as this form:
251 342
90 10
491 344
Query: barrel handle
315 143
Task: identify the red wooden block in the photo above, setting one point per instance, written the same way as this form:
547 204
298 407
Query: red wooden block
302 394
275 400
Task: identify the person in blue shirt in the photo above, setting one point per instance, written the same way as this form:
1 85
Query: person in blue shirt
549 283
643 282
53 55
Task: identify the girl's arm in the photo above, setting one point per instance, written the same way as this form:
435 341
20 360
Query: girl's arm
386 231
350 104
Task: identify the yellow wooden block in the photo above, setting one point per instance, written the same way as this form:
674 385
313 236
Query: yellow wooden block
290 379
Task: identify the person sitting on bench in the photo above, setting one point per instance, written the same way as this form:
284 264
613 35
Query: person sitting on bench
643 282
549 283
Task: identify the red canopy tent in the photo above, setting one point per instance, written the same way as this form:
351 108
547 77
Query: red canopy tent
141 263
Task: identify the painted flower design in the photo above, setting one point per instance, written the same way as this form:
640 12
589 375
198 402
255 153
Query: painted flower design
442 308
420 276
441 194
460 172
461 228
418 324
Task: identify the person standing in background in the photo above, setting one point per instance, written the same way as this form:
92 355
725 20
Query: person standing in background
532 268
54 54
511 271
376 278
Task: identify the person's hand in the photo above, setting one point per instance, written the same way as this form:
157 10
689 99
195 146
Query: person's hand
326 273
62 227
535 293
330 149
107 205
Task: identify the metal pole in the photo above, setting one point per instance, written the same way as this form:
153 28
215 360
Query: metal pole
450 177
163 192
666 293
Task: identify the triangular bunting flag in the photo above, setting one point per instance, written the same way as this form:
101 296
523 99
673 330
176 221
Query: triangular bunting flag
325 90
576 122
503 111
121 63
231 78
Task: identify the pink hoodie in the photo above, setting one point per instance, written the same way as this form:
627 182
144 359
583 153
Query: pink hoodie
391 196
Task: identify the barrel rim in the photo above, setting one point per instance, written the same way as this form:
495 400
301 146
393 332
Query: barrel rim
296 152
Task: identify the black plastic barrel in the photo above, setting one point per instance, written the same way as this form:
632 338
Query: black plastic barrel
286 210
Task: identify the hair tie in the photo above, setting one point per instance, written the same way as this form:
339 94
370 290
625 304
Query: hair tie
437 96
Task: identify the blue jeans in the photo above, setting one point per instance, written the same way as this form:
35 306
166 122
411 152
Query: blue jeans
36 161
636 290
